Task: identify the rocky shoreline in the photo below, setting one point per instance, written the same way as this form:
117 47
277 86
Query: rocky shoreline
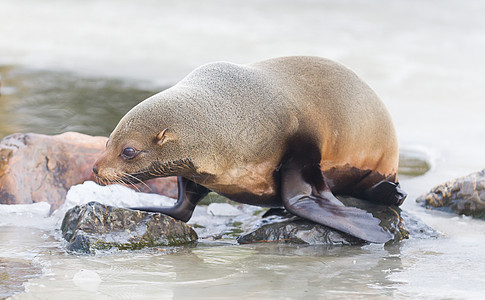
94 227
39 168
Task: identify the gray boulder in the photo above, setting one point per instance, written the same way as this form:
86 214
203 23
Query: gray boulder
94 226
464 196
286 228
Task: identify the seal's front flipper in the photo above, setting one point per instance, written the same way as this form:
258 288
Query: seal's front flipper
386 192
281 212
306 195
190 193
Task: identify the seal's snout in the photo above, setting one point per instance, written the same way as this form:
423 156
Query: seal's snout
95 170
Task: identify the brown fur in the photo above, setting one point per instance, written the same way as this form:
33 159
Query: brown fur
229 127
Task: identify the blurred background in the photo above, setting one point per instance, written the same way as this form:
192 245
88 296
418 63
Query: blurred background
81 65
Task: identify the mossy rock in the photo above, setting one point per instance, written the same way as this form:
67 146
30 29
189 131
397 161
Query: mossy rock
94 226
464 196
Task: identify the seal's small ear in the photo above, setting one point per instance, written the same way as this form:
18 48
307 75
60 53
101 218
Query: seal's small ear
163 136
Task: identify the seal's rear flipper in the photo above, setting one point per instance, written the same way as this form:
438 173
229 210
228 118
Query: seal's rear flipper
306 195
386 192
277 212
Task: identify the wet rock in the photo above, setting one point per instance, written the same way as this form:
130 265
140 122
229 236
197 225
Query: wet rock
297 231
464 196
93 227
285 228
416 228
41 168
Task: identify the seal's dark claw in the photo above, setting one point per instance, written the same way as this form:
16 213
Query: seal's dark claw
386 192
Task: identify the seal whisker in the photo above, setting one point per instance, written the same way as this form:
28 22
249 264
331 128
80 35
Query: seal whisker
139 181
121 182
136 187
127 182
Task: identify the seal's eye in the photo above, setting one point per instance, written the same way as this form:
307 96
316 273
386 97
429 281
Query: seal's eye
128 153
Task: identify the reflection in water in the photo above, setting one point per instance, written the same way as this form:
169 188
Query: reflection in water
13 274
224 271
330 271
16 265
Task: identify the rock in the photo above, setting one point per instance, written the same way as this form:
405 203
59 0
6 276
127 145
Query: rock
41 168
464 196
298 231
93 227
290 229
416 228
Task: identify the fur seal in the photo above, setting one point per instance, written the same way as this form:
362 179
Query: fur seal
285 132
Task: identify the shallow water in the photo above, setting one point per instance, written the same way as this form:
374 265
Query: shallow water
53 102
79 65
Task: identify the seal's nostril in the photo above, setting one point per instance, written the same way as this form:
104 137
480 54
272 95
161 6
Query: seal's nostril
95 170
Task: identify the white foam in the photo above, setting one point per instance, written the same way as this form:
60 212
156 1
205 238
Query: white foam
36 209
24 214
113 195
87 280
223 209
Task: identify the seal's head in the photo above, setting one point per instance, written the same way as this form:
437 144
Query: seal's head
139 150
